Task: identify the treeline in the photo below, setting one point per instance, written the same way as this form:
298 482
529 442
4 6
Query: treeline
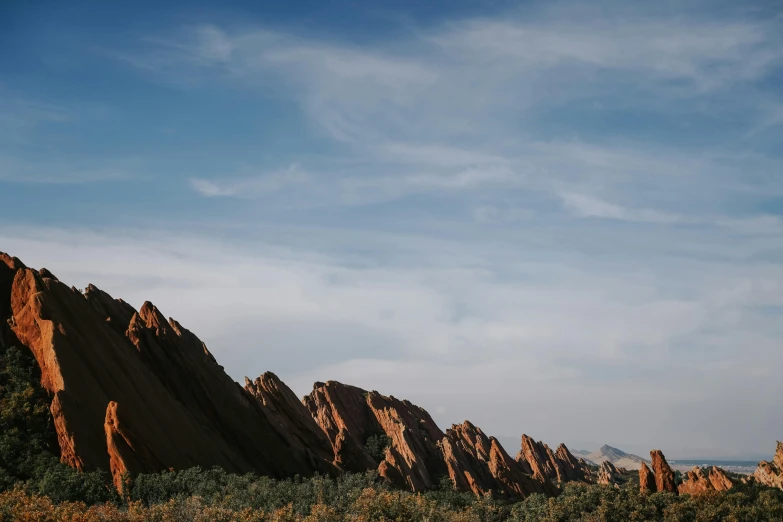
195 495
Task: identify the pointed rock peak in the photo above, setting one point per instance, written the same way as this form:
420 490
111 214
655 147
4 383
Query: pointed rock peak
11 262
469 425
270 377
45 273
664 475
152 317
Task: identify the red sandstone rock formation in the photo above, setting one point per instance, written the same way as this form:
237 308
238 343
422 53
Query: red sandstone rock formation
419 453
488 468
607 474
646 479
771 473
135 392
697 482
664 475
350 416
661 478
539 460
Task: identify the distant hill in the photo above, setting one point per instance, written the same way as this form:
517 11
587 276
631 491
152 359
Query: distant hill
617 457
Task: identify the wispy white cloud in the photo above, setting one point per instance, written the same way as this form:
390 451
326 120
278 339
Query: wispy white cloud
443 111
251 185
588 206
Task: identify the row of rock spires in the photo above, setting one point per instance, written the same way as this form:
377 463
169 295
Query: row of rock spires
133 392
661 476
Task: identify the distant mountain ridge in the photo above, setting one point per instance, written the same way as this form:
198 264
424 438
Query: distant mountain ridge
616 456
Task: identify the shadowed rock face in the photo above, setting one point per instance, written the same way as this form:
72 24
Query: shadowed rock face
539 460
697 482
132 391
771 473
646 479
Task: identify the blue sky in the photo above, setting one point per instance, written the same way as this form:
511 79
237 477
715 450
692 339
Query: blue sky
548 217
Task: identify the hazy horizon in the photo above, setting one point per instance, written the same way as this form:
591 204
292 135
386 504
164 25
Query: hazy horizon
544 217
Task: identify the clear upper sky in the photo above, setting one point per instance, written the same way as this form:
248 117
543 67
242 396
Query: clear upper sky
559 218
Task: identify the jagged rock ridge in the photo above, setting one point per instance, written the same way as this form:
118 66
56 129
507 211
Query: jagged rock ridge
540 461
132 391
697 482
418 454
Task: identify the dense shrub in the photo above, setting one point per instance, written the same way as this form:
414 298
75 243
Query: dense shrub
376 445
29 455
376 503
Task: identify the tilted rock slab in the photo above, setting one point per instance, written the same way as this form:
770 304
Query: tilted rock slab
660 478
420 454
134 392
771 473
537 459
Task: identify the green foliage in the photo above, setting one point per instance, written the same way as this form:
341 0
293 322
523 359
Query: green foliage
587 503
376 445
28 442
215 487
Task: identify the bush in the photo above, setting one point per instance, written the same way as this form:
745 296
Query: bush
376 446
29 454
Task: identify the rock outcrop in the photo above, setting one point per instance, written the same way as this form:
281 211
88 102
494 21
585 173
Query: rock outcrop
486 468
661 478
132 391
646 479
418 455
607 474
697 482
771 473
350 416
537 459
664 475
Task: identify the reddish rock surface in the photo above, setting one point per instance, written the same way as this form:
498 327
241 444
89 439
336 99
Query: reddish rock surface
607 474
664 475
771 473
660 478
419 454
486 467
135 392
540 461
697 482
350 416
646 479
